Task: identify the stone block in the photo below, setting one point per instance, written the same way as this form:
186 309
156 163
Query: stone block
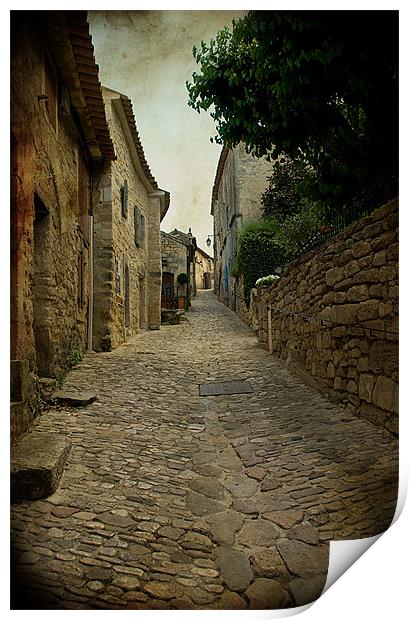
37 464
74 398
366 386
368 276
379 258
385 394
344 314
352 387
373 414
333 276
307 590
358 293
368 310
362 248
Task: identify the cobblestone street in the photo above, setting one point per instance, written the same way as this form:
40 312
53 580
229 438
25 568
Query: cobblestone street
171 500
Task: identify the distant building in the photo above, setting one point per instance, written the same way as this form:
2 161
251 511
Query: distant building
60 143
127 272
204 270
178 260
240 181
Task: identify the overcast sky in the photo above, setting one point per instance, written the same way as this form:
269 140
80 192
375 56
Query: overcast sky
147 55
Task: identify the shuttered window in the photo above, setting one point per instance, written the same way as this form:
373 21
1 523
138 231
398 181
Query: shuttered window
139 225
124 199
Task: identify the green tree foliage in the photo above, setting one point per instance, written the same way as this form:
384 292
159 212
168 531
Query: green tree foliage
284 195
318 86
260 252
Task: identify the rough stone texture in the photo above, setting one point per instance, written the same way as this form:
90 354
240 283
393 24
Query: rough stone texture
223 526
267 594
124 506
306 590
50 260
235 568
268 563
231 600
303 559
349 288
37 464
259 533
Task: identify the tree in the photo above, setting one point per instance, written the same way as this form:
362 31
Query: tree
284 195
318 86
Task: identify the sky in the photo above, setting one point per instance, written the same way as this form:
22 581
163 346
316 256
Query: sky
147 55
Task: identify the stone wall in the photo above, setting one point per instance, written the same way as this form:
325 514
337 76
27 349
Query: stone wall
334 317
49 229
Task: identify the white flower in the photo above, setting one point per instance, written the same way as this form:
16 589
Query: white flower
267 280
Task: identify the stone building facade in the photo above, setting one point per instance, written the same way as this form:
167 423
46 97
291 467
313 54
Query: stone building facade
204 270
127 266
174 263
333 317
240 181
178 257
59 145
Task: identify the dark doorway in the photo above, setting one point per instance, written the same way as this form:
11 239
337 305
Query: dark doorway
169 293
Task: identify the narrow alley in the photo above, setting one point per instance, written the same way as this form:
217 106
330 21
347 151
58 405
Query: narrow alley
172 500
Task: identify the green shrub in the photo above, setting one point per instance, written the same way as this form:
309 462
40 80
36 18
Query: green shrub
182 278
299 229
260 252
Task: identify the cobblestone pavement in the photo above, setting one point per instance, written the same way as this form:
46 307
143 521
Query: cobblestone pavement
171 500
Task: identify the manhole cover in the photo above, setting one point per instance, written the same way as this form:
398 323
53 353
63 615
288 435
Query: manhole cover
227 387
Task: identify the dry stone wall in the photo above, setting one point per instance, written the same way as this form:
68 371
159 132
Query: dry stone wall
334 317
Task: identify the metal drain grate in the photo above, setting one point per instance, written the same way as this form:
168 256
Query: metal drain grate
227 387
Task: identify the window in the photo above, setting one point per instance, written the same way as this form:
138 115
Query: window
139 225
124 199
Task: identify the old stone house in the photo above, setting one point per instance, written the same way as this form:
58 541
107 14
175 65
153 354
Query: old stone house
127 269
203 269
59 144
178 259
239 183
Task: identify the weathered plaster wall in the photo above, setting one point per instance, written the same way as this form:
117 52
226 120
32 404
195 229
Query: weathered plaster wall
335 317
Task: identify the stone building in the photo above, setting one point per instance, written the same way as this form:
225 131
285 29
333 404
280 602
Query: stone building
203 269
178 257
127 268
59 144
240 181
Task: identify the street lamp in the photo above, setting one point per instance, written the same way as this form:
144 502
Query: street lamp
209 241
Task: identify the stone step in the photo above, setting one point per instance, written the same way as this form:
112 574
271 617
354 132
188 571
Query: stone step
37 464
74 398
